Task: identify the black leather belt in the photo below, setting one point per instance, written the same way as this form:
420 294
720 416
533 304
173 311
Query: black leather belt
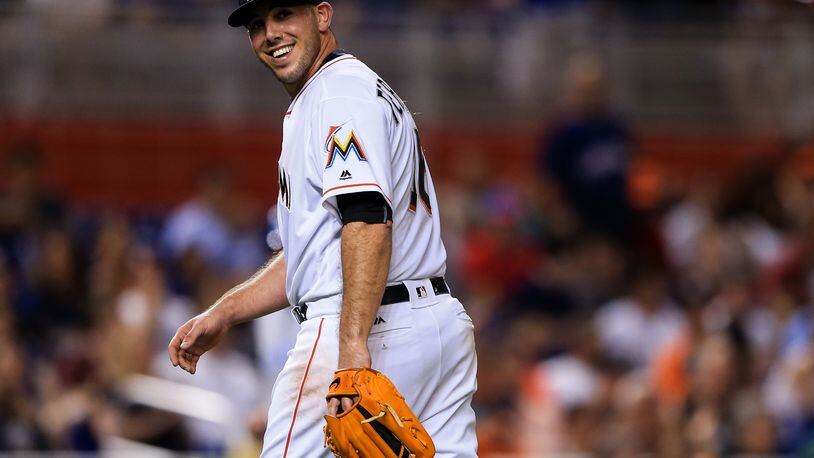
392 295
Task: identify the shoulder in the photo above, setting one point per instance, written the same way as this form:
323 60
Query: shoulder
347 77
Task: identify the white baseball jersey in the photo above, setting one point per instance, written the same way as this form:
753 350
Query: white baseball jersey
348 132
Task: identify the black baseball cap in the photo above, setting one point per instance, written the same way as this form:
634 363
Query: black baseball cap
240 16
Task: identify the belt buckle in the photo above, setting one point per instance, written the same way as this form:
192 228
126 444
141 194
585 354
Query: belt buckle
299 313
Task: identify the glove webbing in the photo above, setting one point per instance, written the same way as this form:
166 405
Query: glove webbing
387 436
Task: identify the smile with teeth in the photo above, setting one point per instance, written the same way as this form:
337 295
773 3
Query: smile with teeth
282 51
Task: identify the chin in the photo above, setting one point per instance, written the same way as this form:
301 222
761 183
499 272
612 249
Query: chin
291 75
287 77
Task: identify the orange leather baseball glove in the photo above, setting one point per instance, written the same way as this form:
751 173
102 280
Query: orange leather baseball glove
379 425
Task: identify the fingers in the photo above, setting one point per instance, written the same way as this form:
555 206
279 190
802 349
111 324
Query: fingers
175 343
188 361
333 406
172 349
188 342
182 349
347 404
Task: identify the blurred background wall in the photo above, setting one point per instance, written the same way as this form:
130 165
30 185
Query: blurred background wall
627 192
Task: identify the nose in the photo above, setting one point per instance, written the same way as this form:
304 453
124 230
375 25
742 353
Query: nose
273 32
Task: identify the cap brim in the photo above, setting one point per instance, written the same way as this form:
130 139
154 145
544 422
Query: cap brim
241 15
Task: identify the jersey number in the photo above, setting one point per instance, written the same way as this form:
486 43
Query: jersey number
285 188
419 187
387 94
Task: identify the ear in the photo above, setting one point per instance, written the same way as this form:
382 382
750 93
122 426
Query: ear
325 13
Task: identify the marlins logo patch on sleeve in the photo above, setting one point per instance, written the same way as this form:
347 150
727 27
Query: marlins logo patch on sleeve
342 144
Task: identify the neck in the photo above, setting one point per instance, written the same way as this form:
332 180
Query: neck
328 45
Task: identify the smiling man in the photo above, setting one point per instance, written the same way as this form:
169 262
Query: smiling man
291 39
362 262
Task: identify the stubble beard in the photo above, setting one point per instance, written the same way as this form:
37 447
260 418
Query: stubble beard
300 68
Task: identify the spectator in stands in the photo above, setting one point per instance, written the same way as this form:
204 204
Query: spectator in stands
27 206
788 396
633 328
18 426
211 234
714 388
109 259
201 224
588 151
53 296
561 396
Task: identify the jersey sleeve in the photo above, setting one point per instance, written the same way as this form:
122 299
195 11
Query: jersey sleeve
355 149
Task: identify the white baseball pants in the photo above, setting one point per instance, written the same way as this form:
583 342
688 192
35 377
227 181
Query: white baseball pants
425 346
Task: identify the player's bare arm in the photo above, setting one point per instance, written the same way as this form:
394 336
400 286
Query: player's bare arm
365 263
260 295
366 250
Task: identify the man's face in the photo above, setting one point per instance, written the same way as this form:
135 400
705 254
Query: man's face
286 39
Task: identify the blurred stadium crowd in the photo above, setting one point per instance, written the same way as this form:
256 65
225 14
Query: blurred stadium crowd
605 326
611 327
362 10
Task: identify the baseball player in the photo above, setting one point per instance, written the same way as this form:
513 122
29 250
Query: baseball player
362 261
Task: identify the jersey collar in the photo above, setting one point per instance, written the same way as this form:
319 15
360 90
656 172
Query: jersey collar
332 58
337 53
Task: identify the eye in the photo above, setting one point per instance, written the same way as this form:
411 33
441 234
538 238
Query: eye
255 25
282 13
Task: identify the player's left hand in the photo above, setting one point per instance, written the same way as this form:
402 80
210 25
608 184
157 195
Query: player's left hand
380 411
350 355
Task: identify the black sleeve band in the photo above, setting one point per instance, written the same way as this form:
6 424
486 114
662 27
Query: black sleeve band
364 207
